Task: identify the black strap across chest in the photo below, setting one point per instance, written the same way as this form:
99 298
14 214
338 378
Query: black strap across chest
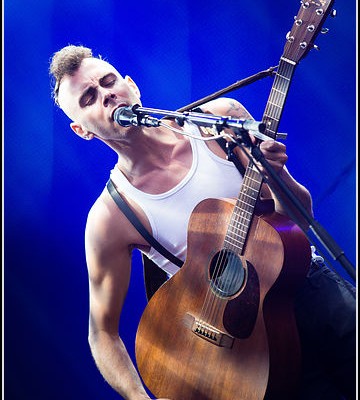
132 217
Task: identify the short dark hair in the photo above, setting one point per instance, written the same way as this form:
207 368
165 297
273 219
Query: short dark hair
66 62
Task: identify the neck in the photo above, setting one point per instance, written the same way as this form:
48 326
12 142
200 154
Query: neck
144 149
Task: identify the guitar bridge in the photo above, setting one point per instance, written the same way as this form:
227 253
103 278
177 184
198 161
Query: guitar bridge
209 333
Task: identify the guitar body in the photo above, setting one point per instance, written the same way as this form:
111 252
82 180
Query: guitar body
195 341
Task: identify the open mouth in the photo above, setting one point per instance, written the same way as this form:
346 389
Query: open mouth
115 108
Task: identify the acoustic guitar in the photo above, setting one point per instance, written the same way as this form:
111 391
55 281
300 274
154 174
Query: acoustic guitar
223 327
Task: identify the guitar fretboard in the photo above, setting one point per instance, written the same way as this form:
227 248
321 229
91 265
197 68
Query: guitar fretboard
241 218
277 97
243 211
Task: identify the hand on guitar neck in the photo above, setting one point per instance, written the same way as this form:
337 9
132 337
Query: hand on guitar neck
275 154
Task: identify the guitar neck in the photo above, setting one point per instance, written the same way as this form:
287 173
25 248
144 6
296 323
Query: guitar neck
250 188
299 41
243 211
277 97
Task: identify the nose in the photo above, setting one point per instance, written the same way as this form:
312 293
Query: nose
109 98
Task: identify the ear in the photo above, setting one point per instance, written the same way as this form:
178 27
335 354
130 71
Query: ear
78 129
132 85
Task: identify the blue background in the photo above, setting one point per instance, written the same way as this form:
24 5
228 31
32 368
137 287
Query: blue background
177 52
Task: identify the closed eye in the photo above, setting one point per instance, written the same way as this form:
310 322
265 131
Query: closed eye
108 80
88 97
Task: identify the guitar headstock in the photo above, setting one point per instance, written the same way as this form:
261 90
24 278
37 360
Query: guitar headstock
308 23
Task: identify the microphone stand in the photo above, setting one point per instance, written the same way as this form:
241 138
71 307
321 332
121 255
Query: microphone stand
262 74
318 230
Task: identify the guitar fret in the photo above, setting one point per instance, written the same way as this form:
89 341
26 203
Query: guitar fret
237 225
237 246
271 120
243 211
241 233
246 188
278 91
275 119
244 202
288 60
271 130
244 216
245 208
271 105
274 104
238 232
253 178
277 97
240 227
274 111
283 77
250 195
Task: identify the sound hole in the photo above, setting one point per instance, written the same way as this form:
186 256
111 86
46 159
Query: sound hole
227 273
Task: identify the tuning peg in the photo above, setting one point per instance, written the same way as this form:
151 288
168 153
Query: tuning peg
289 37
305 4
324 30
316 47
333 13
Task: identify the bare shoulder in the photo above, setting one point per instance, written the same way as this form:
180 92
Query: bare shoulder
103 222
107 226
226 106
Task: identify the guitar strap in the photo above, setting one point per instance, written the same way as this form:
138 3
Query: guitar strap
132 217
154 276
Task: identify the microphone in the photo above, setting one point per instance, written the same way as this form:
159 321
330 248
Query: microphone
126 116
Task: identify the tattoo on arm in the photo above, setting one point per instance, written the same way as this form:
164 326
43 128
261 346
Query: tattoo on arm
234 106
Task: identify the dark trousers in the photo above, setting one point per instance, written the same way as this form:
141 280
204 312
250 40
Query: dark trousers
325 310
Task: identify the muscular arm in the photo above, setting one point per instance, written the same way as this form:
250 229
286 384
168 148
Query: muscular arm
275 154
108 255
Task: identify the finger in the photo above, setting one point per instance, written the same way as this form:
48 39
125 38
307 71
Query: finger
272 145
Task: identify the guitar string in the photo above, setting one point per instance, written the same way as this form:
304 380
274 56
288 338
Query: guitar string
206 315
237 242
226 259
237 236
277 96
211 305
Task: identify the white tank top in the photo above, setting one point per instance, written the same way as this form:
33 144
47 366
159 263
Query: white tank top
209 177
